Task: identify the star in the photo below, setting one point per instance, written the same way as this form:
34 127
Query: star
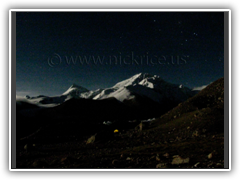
179 22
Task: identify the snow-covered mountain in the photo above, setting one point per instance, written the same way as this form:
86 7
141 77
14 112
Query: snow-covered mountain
141 85
132 80
146 85
42 101
75 90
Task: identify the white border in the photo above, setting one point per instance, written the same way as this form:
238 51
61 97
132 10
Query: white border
118 10
10 88
230 90
115 10
126 170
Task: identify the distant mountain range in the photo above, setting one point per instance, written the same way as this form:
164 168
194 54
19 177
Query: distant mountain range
142 85
140 97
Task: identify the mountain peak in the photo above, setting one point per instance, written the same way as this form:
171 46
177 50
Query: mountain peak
133 80
75 89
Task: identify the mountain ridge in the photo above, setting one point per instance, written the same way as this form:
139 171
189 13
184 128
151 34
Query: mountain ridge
143 84
151 86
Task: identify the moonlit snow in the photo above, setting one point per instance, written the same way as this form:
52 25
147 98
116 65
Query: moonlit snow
199 88
146 85
76 90
143 84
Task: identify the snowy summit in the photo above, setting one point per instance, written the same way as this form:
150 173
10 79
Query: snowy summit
133 80
75 90
146 85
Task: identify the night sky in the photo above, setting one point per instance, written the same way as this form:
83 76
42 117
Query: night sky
181 47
